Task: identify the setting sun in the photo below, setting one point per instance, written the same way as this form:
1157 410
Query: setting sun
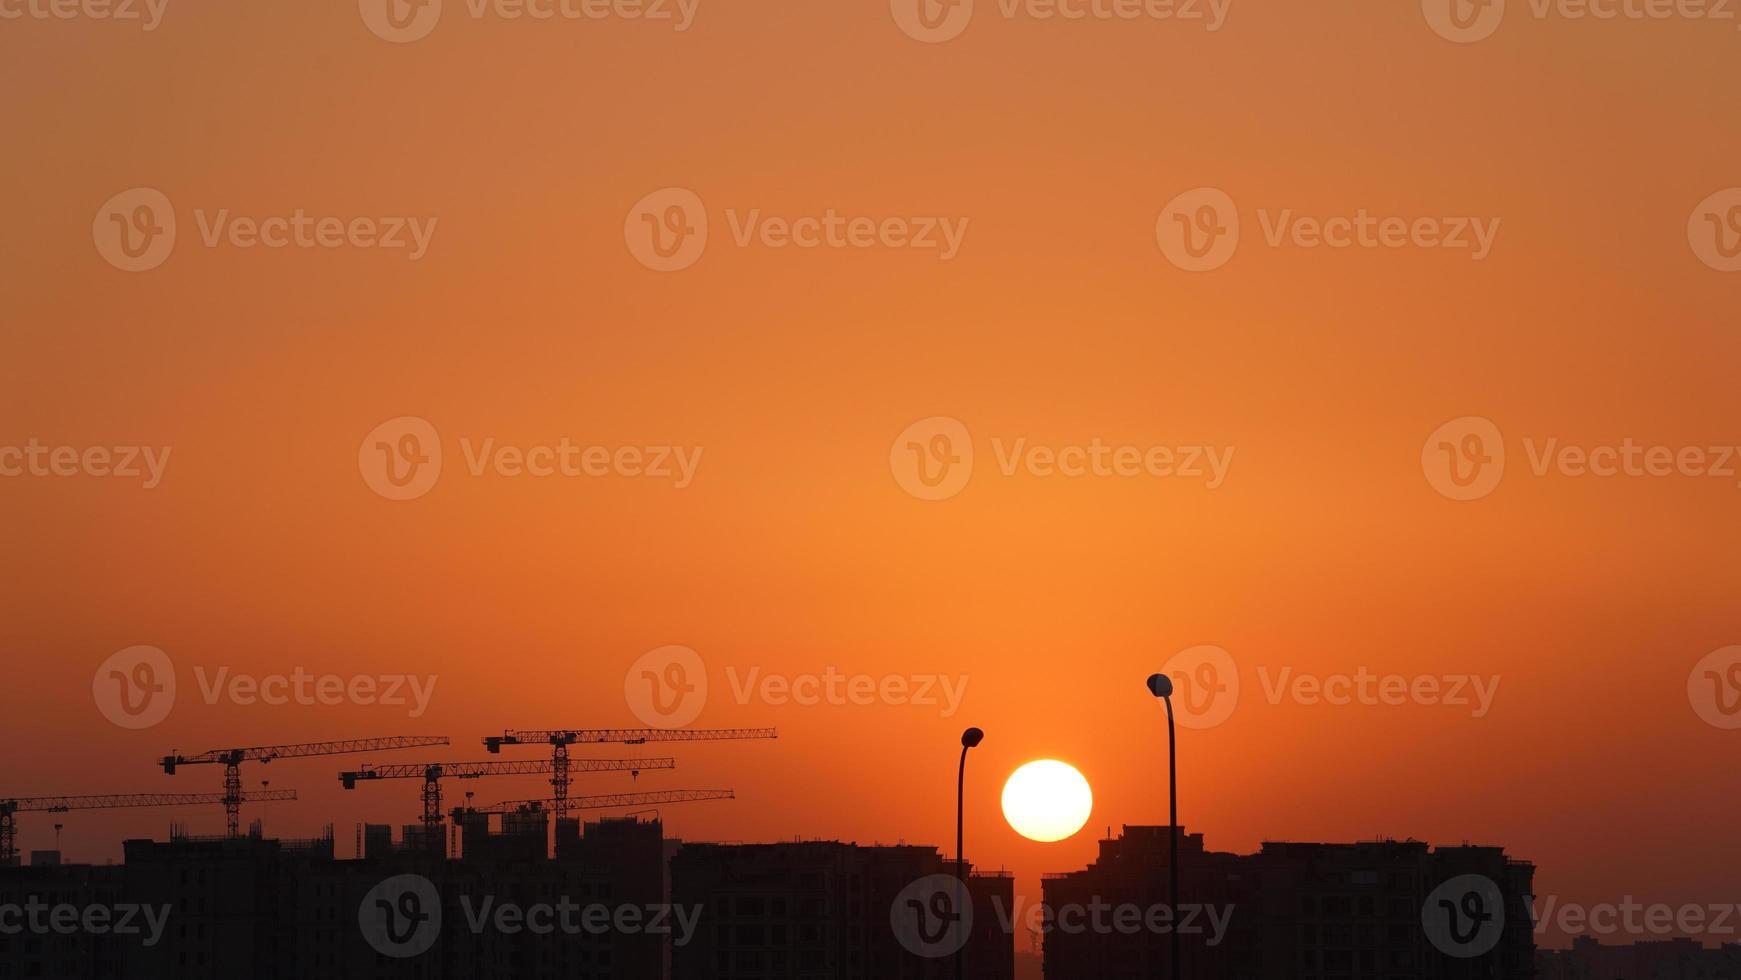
1047 800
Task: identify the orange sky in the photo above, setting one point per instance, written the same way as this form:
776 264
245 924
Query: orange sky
1060 321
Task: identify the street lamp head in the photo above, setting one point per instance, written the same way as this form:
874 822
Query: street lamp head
1160 685
971 738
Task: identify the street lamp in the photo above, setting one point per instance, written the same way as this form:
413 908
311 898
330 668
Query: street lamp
969 739
1161 686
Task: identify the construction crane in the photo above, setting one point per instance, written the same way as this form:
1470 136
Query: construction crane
560 739
232 759
611 801
432 773
63 804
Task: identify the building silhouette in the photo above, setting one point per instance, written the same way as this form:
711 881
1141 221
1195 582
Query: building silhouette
56 954
406 909
260 908
1668 959
823 909
1289 912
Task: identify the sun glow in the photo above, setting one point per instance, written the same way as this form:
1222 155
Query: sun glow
1047 800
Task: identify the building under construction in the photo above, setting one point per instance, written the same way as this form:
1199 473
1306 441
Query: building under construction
248 906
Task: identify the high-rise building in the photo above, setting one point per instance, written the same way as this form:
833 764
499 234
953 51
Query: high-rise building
1382 910
1663 959
823 909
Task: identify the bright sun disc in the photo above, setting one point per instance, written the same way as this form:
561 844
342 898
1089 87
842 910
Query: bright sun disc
1047 800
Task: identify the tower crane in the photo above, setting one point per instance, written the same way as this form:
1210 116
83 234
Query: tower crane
232 759
433 772
10 807
560 739
607 802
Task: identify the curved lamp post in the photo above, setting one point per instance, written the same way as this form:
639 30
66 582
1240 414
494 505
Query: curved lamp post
969 739
1161 686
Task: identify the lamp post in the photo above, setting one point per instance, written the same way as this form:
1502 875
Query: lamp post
969 739
1161 686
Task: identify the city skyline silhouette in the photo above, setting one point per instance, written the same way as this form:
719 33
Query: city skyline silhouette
870 374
